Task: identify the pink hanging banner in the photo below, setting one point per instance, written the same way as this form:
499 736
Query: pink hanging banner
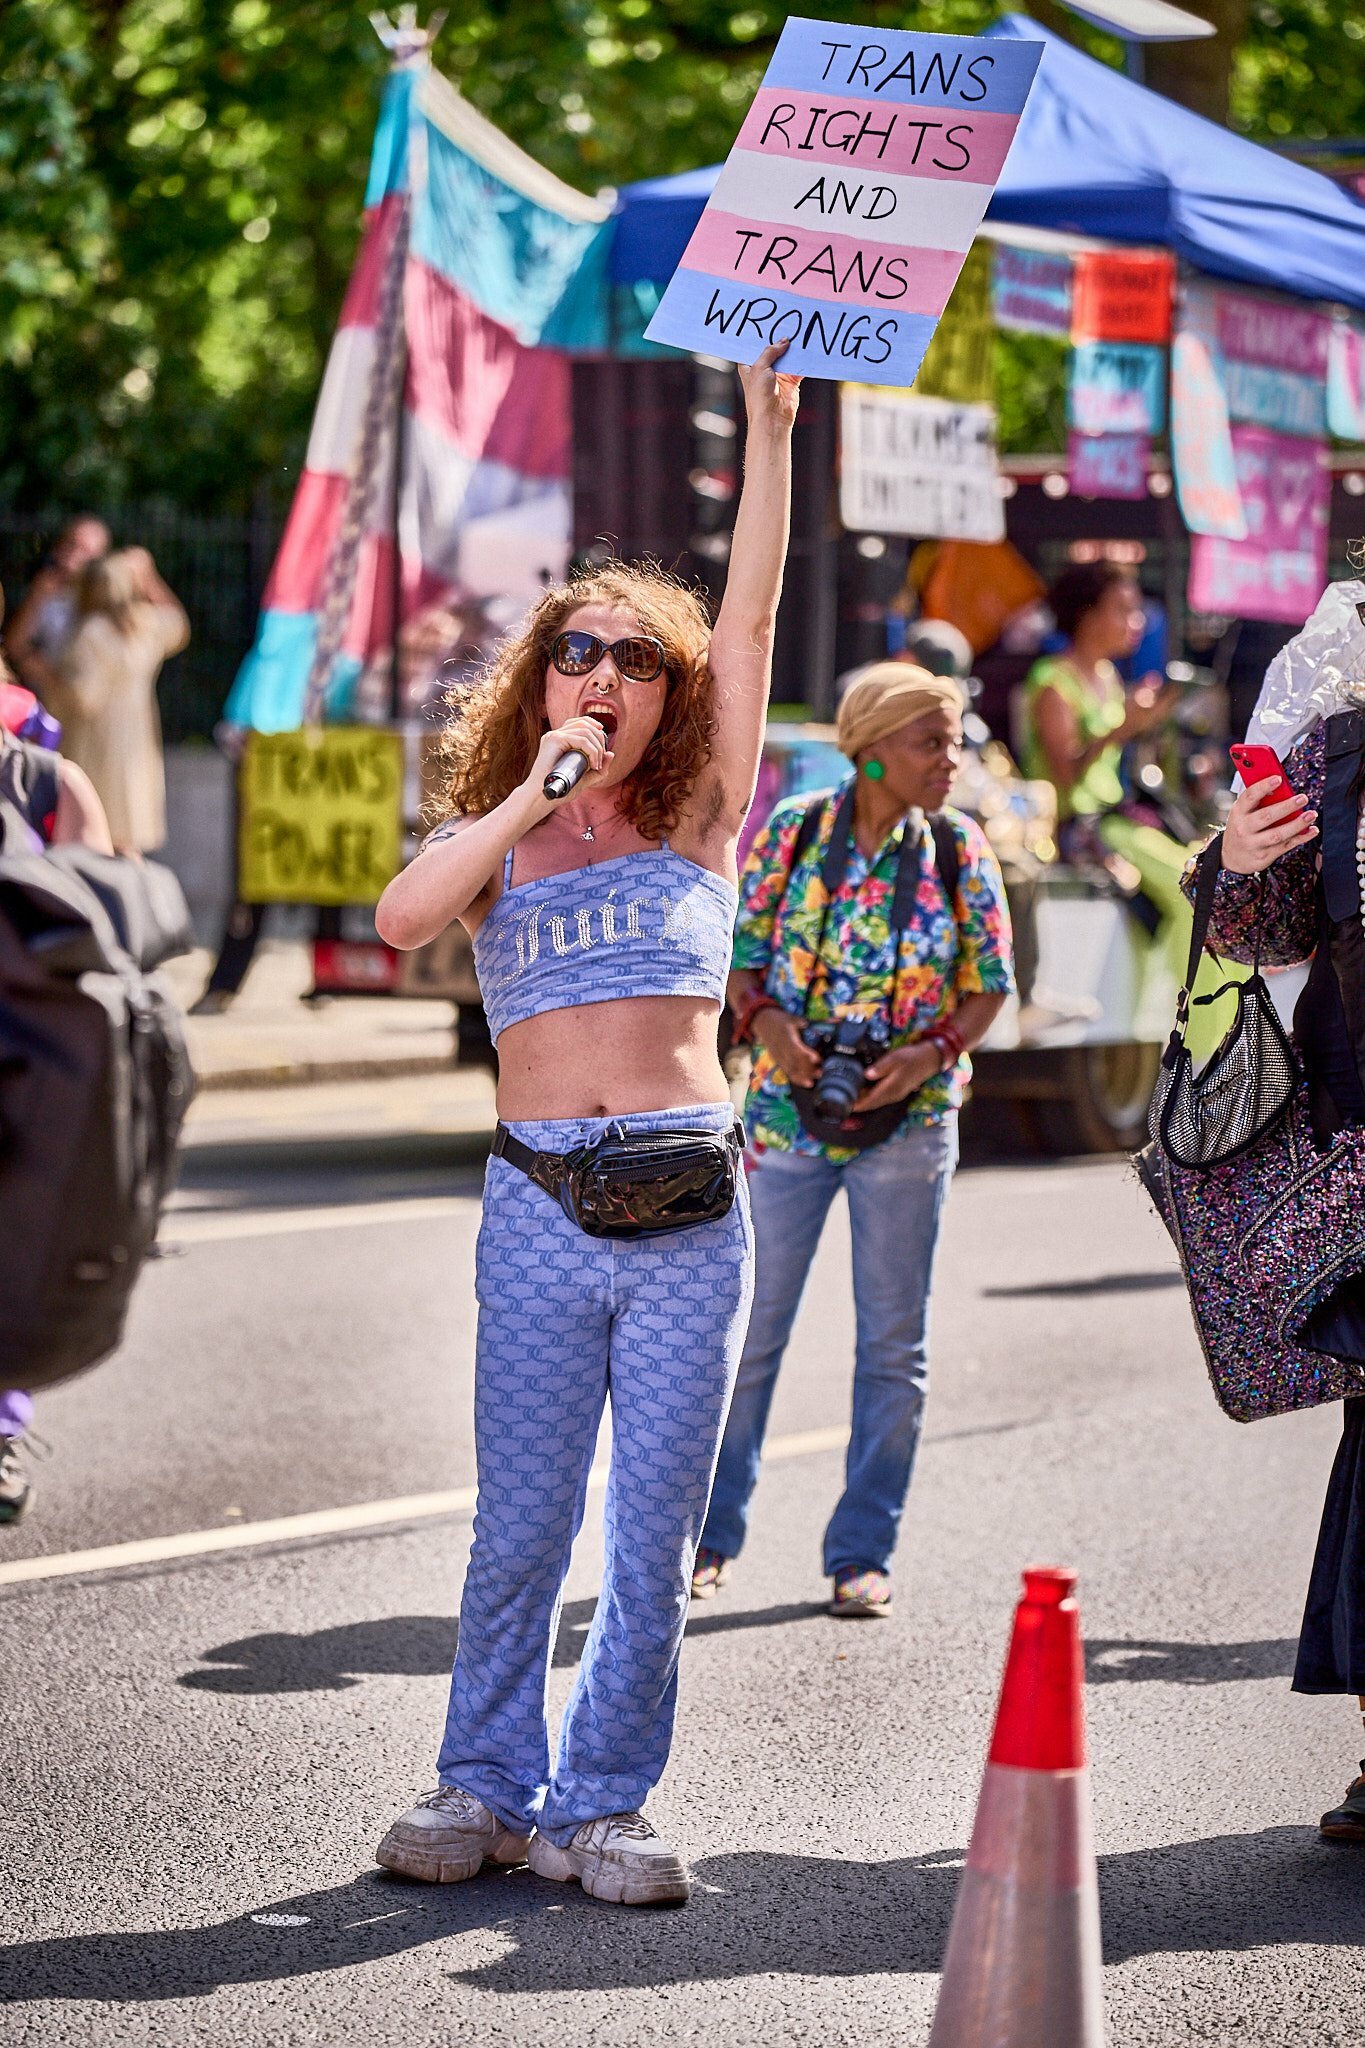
1277 572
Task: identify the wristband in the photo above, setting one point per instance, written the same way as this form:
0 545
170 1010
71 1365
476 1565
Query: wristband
744 1022
949 1041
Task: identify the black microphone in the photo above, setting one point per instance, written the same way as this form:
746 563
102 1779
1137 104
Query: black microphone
566 774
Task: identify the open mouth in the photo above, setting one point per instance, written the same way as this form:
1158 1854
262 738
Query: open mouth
604 715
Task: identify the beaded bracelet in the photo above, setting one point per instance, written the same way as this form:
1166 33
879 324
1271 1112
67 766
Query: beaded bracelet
950 1042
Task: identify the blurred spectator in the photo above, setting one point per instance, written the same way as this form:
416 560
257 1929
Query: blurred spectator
45 619
30 819
104 691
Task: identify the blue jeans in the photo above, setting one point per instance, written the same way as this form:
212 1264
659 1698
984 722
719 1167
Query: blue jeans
896 1192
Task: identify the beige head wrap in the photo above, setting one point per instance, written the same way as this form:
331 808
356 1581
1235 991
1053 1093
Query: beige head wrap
885 697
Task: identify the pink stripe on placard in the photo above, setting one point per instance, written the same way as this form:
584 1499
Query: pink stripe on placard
824 266
866 135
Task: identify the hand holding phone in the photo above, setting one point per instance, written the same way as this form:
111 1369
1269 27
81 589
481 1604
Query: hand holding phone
1257 764
1280 821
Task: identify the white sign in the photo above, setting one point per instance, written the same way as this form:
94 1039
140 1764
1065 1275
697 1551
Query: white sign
919 466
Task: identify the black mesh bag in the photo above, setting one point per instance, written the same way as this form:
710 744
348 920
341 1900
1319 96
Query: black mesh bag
1204 1119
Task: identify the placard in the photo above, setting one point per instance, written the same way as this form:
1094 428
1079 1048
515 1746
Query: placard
1277 572
842 215
1346 382
1270 356
321 815
922 466
1032 291
1108 465
1116 388
1122 295
1201 441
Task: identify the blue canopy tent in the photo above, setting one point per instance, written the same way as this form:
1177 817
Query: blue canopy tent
1097 154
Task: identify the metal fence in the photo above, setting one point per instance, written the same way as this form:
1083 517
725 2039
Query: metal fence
216 567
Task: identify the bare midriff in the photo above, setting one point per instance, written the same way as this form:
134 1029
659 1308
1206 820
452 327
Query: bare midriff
611 1059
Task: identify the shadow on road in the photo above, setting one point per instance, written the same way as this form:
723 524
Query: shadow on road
411 1646
1188 1663
754 1914
1098 1283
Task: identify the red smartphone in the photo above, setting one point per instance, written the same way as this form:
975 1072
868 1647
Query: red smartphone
1255 764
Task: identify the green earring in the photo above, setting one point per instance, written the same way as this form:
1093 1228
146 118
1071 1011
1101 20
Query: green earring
873 770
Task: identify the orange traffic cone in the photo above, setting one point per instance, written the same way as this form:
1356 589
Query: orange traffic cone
1023 1963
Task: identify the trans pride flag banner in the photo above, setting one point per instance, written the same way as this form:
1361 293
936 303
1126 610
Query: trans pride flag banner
844 212
448 375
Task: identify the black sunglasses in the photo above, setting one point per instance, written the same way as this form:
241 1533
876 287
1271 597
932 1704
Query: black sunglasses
639 658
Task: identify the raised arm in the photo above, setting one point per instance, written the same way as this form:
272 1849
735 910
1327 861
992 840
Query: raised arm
742 643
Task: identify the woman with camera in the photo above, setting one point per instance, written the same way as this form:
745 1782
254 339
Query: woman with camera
872 952
615 1255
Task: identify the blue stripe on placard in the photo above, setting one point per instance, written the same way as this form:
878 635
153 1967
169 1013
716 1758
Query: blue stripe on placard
853 343
989 73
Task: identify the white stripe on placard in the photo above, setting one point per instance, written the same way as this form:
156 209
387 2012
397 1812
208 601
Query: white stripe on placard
369 1514
915 213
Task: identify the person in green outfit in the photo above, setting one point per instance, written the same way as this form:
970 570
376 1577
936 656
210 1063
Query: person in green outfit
1078 719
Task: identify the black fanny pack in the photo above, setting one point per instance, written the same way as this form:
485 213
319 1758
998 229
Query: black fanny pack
635 1183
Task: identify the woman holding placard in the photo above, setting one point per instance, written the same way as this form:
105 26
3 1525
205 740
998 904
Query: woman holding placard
616 1251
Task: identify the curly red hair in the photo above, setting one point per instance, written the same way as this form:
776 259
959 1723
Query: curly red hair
497 723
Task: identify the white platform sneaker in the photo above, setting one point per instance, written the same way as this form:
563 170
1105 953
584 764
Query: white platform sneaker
618 1858
449 1835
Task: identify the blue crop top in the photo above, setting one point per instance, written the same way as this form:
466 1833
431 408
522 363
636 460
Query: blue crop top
642 924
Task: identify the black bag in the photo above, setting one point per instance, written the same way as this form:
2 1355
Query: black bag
95 1079
630 1184
1203 1120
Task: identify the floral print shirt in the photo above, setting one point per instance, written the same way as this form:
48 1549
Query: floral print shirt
942 958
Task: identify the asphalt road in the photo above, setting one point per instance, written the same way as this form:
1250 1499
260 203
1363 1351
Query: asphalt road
203 1753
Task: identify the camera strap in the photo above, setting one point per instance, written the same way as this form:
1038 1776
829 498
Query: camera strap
834 868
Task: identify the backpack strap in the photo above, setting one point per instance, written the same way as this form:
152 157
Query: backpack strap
30 787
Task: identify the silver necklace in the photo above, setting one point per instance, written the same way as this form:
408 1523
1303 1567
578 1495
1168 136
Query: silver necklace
588 834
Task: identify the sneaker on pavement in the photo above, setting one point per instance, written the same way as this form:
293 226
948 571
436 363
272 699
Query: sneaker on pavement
1346 1823
618 1858
15 1489
709 1574
861 1595
449 1835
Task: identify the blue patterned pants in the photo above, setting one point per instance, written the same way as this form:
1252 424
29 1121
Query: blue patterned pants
567 1321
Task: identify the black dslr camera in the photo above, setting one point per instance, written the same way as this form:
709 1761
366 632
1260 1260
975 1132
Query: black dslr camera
848 1046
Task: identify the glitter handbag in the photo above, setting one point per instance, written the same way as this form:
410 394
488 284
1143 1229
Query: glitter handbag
1264 1241
1201 1120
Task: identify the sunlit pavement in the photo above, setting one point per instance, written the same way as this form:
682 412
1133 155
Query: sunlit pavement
205 1750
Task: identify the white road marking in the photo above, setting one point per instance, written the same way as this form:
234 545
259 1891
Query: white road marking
193 1226
369 1514
281 1919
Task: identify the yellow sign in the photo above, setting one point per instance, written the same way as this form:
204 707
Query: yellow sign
321 817
960 361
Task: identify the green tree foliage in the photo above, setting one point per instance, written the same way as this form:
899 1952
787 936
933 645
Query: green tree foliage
181 180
